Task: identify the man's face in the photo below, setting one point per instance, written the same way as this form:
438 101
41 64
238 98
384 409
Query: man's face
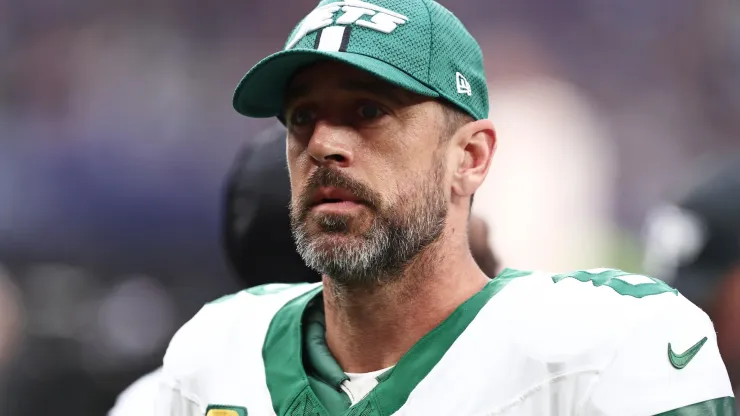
367 170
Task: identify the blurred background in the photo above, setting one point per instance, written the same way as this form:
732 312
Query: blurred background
116 131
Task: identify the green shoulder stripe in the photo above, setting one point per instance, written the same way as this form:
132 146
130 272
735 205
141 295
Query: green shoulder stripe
724 406
611 278
283 356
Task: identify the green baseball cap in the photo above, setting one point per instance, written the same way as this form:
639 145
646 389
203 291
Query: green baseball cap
417 45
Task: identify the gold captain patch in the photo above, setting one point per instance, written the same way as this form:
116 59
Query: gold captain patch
219 410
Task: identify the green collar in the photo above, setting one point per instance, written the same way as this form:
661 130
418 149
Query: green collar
288 381
318 356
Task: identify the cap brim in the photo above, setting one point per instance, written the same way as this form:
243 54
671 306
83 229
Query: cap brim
261 92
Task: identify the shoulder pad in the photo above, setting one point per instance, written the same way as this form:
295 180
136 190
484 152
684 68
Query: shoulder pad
227 321
556 316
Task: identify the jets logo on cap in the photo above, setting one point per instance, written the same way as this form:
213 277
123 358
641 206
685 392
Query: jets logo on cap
353 12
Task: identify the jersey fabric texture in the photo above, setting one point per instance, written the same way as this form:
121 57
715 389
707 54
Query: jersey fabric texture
588 343
139 398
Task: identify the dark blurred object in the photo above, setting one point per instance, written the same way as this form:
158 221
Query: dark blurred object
694 244
256 221
480 248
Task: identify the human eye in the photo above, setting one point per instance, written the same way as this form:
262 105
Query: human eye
301 117
370 111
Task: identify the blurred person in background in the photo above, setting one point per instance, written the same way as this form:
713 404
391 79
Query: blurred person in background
255 227
694 244
480 246
255 235
258 242
388 140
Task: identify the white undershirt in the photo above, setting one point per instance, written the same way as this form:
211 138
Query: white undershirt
360 384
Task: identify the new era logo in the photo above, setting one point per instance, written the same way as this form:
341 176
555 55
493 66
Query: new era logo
463 86
353 12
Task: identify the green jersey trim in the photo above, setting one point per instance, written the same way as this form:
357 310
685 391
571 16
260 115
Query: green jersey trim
413 367
317 352
282 353
610 278
723 406
289 384
325 376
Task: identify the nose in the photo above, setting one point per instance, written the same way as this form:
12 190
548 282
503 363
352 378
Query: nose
330 145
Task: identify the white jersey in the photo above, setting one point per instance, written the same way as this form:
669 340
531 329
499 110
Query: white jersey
588 343
139 398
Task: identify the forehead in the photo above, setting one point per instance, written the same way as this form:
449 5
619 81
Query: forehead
327 75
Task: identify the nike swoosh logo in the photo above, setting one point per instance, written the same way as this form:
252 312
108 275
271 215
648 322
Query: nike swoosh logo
680 361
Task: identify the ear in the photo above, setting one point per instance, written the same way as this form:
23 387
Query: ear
476 142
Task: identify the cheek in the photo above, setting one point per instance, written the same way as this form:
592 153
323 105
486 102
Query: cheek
296 151
408 187
294 175
299 165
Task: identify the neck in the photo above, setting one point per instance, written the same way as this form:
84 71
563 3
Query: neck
370 327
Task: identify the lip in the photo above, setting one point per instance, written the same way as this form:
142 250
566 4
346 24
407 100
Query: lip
337 208
334 196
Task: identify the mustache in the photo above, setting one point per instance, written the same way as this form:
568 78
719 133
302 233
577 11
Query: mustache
326 177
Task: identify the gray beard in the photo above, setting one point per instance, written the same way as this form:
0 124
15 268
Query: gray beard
381 254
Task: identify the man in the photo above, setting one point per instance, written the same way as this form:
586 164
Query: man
695 244
257 241
385 104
